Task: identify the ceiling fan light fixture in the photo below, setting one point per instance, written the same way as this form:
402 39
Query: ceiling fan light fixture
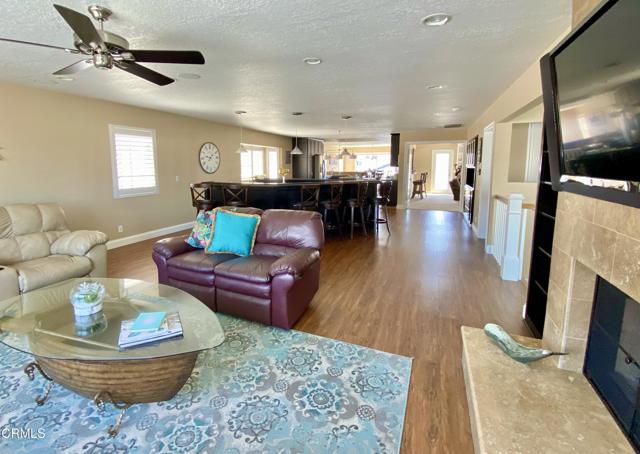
102 60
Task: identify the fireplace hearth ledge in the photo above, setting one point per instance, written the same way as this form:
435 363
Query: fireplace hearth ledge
535 408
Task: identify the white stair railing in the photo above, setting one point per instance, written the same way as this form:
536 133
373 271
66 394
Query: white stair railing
509 227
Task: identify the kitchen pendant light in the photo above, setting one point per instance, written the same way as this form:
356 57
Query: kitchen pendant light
296 150
241 149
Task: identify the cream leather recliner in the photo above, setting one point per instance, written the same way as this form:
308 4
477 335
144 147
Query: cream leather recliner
37 249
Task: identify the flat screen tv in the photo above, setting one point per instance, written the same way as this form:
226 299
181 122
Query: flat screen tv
591 91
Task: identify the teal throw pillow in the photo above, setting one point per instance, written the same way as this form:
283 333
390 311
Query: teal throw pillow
233 233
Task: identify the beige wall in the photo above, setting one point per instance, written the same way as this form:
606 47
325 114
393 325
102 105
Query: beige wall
520 102
518 152
423 158
55 148
424 135
522 95
581 9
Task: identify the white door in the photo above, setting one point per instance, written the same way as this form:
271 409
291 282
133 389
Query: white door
441 170
484 198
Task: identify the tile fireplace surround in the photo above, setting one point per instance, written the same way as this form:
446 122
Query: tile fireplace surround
592 237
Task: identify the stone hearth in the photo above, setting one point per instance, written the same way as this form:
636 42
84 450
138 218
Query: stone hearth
592 237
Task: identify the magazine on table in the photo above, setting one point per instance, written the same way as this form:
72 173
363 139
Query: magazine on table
171 328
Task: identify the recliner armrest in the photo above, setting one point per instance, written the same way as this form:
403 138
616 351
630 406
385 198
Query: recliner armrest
295 263
78 243
170 247
8 282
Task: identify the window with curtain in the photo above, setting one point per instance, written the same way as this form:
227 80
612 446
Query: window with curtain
133 159
259 161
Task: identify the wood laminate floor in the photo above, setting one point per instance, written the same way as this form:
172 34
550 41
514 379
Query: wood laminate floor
406 294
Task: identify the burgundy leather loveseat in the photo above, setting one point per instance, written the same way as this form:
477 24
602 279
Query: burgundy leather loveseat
273 286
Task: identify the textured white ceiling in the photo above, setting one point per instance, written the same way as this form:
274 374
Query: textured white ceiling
377 58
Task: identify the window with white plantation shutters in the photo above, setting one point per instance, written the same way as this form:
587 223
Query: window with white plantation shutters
259 161
133 157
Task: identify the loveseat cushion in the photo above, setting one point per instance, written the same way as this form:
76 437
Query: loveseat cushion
196 266
27 231
291 229
253 268
78 243
37 273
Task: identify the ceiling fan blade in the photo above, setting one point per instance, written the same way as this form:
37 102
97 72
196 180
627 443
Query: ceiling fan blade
190 57
145 73
74 68
82 26
17 41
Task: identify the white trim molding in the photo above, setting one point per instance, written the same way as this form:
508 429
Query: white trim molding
508 238
125 241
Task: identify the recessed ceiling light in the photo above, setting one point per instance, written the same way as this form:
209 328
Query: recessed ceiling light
455 109
192 76
436 20
438 114
346 117
436 87
312 60
240 112
65 78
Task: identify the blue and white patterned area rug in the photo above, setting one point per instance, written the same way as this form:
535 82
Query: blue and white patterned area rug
264 390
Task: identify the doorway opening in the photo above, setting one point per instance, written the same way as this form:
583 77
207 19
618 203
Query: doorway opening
442 165
432 175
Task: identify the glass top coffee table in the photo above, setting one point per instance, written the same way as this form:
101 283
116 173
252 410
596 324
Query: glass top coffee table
41 323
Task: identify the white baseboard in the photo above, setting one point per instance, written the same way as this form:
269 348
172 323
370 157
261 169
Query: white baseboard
113 244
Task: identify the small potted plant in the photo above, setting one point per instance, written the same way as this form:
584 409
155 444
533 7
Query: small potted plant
86 298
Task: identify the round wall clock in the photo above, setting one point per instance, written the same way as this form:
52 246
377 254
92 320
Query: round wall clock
209 157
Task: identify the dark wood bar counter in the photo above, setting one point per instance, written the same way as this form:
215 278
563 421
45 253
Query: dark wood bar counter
269 194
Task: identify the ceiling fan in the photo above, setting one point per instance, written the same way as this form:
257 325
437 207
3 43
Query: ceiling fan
105 50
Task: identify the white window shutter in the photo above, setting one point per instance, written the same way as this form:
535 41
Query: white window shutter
133 154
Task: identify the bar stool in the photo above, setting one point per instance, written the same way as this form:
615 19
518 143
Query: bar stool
309 197
418 186
382 201
358 203
333 205
201 196
235 195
